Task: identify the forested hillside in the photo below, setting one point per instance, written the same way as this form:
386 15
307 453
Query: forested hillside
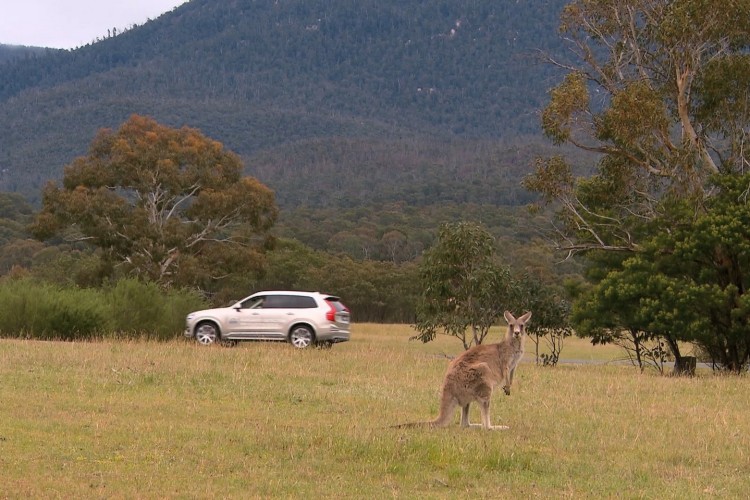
21 52
330 102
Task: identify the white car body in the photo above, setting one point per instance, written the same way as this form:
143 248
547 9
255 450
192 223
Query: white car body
301 318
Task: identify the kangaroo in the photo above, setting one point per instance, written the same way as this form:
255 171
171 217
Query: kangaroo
473 375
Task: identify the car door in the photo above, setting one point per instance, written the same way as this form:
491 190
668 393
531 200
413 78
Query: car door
244 320
267 317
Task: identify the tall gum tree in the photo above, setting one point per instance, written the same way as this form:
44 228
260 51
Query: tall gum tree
659 90
169 205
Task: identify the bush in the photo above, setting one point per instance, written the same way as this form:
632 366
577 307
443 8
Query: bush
142 309
43 311
39 310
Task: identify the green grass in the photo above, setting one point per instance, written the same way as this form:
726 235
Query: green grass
120 419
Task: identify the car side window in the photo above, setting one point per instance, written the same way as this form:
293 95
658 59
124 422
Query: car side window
304 302
289 302
280 302
253 303
275 302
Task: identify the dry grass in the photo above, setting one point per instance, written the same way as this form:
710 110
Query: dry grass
175 420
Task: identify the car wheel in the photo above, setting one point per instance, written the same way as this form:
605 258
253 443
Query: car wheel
301 337
206 333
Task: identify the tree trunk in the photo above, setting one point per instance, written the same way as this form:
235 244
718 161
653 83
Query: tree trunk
684 365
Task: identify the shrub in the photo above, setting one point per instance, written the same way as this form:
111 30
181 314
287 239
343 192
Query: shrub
43 311
144 309
130 308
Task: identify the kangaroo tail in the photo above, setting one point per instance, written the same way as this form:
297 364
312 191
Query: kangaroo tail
447 405
414 425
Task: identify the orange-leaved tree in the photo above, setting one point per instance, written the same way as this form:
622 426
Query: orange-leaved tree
168 205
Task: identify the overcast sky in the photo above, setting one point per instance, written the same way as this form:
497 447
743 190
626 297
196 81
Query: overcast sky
66 24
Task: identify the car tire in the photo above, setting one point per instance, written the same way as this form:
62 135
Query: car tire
301 336
207 333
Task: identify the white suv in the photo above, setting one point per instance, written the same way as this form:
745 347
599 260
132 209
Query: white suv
301 318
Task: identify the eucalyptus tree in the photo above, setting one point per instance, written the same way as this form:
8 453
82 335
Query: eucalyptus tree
687 284
463 287
169 205
551 307
659 91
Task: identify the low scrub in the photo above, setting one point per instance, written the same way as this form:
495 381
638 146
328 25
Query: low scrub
128 308
141 309
44 311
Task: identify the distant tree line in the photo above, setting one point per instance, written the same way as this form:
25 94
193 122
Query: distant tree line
169 207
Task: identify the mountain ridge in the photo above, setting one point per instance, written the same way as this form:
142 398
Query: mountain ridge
266 78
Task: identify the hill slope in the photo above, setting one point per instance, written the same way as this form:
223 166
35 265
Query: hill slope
269 79
15 52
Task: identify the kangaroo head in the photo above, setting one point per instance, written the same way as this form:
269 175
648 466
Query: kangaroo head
516 326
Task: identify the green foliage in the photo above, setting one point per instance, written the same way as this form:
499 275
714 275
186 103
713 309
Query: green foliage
621 310
129 308
567 101
552 178
462 285
71 266
168 205
374 291
724 90
15 208
689 284
672 112
636 103
16 247
42 311
18 252
348 173
140 309
551 308
388 292
363 232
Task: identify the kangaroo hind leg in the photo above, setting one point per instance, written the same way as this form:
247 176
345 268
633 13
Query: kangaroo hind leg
465 416
484 407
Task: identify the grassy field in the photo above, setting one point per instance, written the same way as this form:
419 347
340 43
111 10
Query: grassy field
177 420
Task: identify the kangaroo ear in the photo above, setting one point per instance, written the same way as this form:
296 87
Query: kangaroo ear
509 317
525 317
